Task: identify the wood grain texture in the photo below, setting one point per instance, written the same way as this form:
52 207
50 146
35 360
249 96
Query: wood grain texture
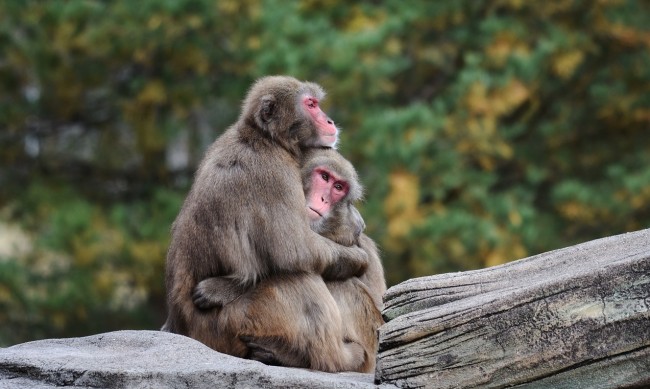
576 317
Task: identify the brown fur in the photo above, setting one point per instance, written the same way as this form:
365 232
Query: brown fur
300 320
244 216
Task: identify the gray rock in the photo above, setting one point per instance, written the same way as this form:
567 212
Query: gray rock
150 359
572 318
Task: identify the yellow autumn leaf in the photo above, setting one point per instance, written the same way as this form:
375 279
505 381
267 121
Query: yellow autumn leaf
504 150
641 115
228 7
191 58
100 240
152 93
570 210
360 20
628 35
6 295
194 21
147 251
515 218
494 258
510 250
456 248
640 199
401 204
104 280
254 42
63 36
565 64
141 55
154 22
501 48
486 162
496 102
477 99
393 46
510 97
58 320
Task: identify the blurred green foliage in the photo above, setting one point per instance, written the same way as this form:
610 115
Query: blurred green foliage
484 132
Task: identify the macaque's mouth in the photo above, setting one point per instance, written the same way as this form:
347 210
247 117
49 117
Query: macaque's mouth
315 212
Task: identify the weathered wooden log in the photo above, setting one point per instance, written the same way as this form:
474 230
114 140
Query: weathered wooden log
578 317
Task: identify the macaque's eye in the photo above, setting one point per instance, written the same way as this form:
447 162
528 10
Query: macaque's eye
312 103
338 187
325 176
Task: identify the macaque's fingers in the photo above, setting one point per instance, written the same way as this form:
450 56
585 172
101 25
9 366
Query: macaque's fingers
344 268
259 351
215 292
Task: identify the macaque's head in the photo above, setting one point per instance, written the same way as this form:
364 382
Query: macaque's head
331 188
327 189
289 111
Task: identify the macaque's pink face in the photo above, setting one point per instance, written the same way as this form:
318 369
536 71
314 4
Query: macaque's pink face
326 190
327 131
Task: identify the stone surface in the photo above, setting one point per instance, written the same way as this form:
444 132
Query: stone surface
572 318
150 359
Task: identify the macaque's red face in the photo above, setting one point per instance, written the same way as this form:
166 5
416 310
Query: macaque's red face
327 131
326 190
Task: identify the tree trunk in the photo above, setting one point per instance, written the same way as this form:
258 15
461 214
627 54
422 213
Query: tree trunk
578 317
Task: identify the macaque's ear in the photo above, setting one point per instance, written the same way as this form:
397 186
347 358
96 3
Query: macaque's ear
267 108
357 221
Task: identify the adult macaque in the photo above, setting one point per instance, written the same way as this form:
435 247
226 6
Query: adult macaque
247 200
299 320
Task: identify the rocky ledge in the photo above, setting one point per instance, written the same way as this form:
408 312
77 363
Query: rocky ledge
150 359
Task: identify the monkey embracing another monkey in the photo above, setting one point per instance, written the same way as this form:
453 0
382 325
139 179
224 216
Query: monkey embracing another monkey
299 320
244 216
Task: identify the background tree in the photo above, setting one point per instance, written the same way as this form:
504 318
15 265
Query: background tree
484 132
